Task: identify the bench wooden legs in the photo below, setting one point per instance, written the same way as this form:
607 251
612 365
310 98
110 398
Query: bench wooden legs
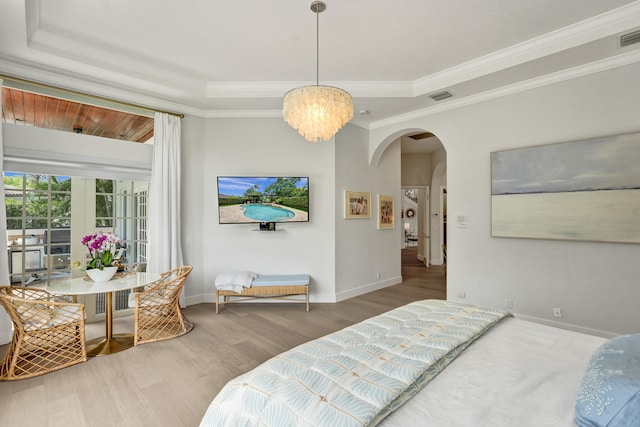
268 292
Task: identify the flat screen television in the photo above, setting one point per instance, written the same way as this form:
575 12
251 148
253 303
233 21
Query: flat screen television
264 200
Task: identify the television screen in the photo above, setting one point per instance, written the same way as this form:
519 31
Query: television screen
252 199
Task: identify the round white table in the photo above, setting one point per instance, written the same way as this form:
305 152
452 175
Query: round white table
110 343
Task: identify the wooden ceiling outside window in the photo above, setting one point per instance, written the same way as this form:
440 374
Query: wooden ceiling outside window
30 109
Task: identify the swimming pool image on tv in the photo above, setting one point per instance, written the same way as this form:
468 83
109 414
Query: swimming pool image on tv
266 213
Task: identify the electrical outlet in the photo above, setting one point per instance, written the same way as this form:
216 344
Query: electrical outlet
508 303
378 276
557 312
461 294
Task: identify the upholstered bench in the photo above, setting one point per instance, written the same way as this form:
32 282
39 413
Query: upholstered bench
276 286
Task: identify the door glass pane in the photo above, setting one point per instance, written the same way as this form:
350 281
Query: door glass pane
117 211
34 212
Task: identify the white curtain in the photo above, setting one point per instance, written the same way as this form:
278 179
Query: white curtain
5 322
165 250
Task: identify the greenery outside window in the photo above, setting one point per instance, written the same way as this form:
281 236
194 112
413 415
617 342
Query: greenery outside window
43 210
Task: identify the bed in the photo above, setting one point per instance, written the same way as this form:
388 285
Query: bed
492 370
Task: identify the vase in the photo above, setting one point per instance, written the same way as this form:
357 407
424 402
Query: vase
103 275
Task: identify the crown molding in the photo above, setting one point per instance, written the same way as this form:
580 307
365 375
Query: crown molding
242 114
104 59
170 89
54 77
79 83
552 78
170 82
265 89
589 30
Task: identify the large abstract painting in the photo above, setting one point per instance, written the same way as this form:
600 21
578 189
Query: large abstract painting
585 190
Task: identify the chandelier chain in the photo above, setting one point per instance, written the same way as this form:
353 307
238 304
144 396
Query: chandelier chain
317 45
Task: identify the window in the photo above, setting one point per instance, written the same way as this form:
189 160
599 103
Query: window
45 211
38 209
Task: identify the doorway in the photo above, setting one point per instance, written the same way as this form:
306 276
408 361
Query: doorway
423 177
415 224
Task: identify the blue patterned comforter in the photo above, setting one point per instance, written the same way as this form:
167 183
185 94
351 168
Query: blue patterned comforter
356 376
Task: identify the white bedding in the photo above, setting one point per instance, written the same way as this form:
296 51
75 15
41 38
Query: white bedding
519 373
355 376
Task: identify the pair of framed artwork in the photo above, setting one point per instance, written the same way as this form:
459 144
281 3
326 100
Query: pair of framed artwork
357 204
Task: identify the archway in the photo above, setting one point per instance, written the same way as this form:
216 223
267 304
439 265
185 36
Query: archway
423 167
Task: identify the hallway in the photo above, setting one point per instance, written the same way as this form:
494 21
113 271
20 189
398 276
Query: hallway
414 273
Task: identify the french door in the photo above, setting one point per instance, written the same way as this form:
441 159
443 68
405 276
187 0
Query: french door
48 215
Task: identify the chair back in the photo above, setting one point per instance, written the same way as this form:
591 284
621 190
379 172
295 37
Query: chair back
181 272
166 290
33 308
48 332
157 311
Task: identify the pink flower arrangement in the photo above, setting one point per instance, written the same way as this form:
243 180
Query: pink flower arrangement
102 247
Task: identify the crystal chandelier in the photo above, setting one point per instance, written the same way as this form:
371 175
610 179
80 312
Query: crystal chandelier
317 112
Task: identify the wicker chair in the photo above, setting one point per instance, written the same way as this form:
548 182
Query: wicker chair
156 309
48 332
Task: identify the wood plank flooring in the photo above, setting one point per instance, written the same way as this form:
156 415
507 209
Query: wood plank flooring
171 383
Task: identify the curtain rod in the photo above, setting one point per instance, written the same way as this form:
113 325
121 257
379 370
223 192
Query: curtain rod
74 92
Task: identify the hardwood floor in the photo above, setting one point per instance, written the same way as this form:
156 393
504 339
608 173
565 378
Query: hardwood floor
171 383
414 273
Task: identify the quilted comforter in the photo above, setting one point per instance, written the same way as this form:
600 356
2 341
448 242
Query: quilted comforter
356 376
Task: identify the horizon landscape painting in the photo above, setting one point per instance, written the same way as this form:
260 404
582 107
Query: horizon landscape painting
586 190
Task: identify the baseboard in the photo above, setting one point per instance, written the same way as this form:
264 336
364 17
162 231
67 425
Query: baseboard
199 299
341 296
567 326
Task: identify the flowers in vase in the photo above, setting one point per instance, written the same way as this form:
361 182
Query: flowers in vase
102 248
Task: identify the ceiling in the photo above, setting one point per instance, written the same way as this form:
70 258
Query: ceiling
236 58
30 109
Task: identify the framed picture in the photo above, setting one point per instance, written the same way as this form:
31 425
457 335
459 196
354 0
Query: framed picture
357 204
385 212
586 190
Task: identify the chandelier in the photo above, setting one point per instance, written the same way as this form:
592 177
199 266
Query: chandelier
317 112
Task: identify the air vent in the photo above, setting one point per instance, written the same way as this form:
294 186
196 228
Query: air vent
630 38
439 96
420 136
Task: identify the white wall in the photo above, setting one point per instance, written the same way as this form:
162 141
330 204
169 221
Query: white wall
255 147
194 192
416 170
595 284
31 149
361 250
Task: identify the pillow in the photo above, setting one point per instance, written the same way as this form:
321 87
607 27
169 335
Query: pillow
610 391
